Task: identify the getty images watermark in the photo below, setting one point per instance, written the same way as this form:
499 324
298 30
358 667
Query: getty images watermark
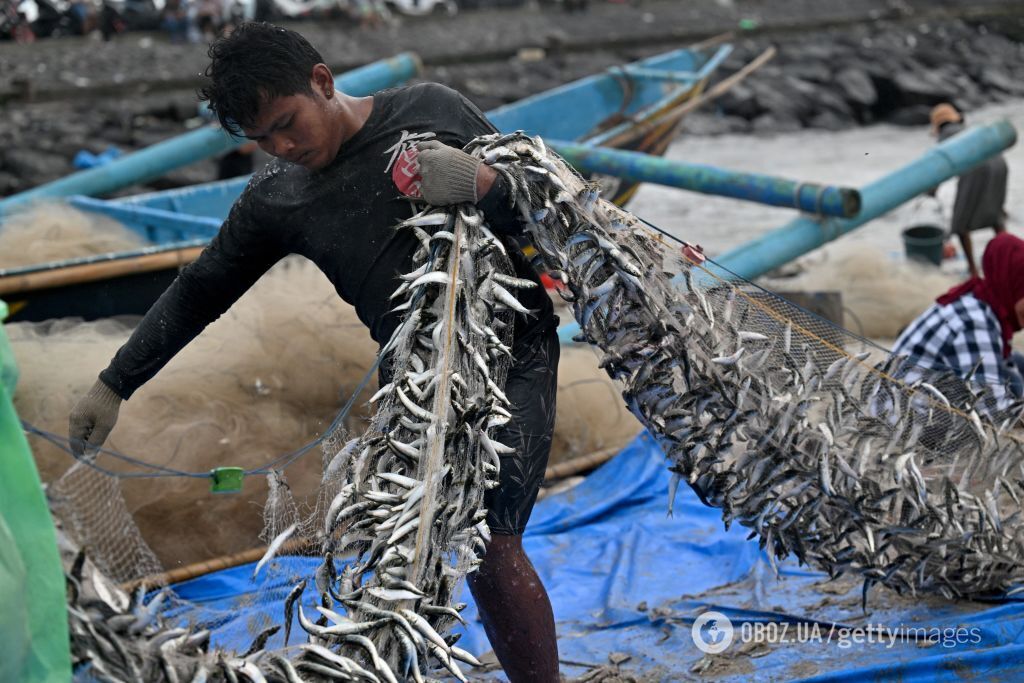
713 633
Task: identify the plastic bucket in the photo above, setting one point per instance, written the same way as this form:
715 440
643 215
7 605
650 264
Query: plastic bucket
924 243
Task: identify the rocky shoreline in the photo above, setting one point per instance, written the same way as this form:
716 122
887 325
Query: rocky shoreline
839 79
889 66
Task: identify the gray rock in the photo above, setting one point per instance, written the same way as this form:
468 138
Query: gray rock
776 123
926 86
832 101
701 123
998 78
741 100
9 183
816 71
811 52
914 115
27 163
785 99
856 87
829 120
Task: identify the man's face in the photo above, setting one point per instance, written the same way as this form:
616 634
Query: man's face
297 128
1020 313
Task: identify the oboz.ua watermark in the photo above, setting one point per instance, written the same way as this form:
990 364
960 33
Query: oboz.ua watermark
713 633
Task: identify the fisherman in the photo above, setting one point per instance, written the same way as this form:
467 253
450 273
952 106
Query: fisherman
969 329
334 194
980 192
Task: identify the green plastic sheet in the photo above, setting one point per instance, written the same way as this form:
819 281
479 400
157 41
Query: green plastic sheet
34 643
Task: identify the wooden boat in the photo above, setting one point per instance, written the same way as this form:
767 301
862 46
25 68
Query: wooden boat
637 107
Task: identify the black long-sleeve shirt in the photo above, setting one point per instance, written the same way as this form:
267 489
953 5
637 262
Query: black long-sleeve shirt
341 217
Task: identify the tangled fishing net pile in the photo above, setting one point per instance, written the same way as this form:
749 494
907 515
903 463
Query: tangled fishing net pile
793 428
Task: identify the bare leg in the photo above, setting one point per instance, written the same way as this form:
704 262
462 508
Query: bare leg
516 612
965 242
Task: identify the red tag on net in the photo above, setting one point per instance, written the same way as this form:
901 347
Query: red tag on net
694 254
406 172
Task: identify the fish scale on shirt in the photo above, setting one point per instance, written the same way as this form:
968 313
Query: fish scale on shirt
342 218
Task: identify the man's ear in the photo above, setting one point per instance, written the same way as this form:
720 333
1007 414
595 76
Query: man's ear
322 80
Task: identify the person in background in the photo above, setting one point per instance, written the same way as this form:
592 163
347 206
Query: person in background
175 20
110 21
209 17
969 329
263 10
235 16
80 15
371 14
22 29
980 192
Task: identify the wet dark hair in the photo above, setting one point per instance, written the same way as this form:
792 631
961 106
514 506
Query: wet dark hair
252 65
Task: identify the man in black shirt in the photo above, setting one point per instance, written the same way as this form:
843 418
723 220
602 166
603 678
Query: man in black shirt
333 194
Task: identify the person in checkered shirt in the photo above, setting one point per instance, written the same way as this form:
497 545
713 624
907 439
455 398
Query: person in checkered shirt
968 331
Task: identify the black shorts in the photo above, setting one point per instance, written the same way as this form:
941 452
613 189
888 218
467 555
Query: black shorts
531 388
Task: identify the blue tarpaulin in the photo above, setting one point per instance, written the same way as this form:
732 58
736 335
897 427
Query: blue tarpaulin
626 578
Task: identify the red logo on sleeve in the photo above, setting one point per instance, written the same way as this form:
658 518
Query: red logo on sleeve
406 172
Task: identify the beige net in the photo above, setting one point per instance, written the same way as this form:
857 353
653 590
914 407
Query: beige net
49 232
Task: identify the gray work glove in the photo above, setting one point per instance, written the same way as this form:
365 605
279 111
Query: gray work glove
448 175
92 418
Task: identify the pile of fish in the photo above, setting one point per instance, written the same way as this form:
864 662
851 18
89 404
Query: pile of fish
122 638
126 639
759 407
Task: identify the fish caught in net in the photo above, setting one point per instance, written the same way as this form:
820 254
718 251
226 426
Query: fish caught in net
847 462
824 447
409 502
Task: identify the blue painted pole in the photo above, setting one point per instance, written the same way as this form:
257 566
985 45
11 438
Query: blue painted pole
801 235
156 160
752 187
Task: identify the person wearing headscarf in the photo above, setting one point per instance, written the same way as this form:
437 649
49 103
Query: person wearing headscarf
969 329
980 192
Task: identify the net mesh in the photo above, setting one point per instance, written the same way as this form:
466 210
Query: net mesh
89 505
823 445
909 477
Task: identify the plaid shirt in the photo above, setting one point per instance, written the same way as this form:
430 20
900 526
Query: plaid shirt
959 337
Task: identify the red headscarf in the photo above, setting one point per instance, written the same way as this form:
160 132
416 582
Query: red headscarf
1003 285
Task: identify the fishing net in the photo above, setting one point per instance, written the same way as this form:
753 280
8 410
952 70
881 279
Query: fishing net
824 446
788 424
53 231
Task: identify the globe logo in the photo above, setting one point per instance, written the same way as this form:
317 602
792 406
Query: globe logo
712 632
